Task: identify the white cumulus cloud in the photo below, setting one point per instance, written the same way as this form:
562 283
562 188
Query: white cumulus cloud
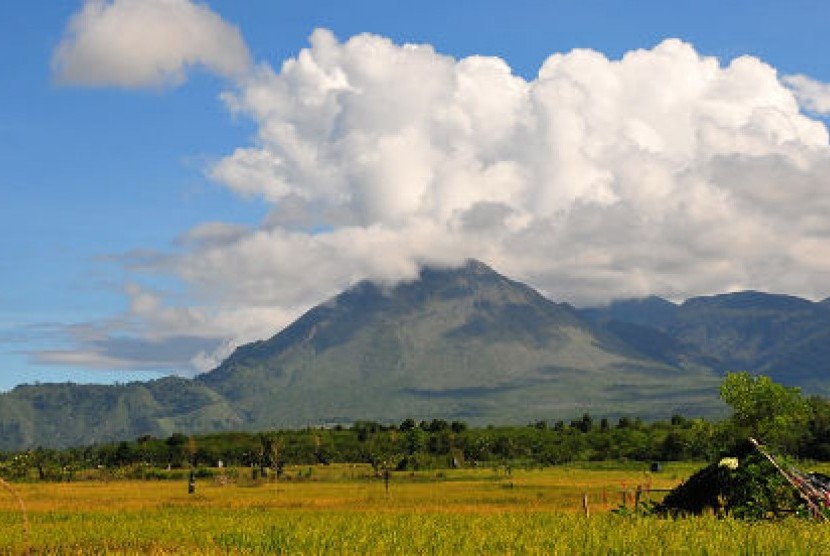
813 95
146 43
663 172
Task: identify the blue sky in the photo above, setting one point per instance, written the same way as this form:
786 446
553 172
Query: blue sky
119 237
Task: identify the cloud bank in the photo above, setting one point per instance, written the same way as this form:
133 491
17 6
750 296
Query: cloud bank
812 94
146 43
663 172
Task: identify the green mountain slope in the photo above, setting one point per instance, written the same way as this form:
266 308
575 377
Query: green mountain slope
463 343
785 337
651 312
756 331
73 414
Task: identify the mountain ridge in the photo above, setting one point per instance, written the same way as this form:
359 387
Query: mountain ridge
460 343
783 336
496 333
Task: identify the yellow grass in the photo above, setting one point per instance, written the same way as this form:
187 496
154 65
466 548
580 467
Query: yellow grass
478 491
344 509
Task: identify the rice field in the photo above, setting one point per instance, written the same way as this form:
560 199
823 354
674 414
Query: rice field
344 509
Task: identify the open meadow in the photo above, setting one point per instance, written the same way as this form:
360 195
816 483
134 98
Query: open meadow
345 509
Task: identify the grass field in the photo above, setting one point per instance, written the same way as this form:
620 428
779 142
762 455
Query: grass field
342 509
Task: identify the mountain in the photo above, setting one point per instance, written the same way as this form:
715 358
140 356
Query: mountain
464 343
58 415
457 344
785 337
782 336
641 323
651 312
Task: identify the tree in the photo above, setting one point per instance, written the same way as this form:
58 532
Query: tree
458 426
773 413
414 440
678 420
624 422
176 449
123 454
272 452
585 424
818 446
437 425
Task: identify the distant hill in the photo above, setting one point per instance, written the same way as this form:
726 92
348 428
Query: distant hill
464 343
782 336
651 312
74 414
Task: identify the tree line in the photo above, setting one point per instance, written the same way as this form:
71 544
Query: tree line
777 415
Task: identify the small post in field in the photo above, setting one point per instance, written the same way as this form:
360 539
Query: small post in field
585 504
637 494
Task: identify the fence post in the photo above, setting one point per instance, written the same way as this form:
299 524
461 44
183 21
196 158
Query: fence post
386 481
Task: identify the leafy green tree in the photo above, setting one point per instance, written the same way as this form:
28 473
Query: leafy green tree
624 422
176 449
678 420
17 467
123 454
458 426
271 445
585 424
818 446
414 440
437 425
773 413
673 447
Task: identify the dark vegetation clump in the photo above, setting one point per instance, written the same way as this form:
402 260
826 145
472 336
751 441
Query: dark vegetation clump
750 482
744 485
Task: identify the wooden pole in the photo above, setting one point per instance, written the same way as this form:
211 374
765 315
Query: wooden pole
816 511
585 504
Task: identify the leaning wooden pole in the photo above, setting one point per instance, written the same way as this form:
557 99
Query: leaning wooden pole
23 513
793 483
